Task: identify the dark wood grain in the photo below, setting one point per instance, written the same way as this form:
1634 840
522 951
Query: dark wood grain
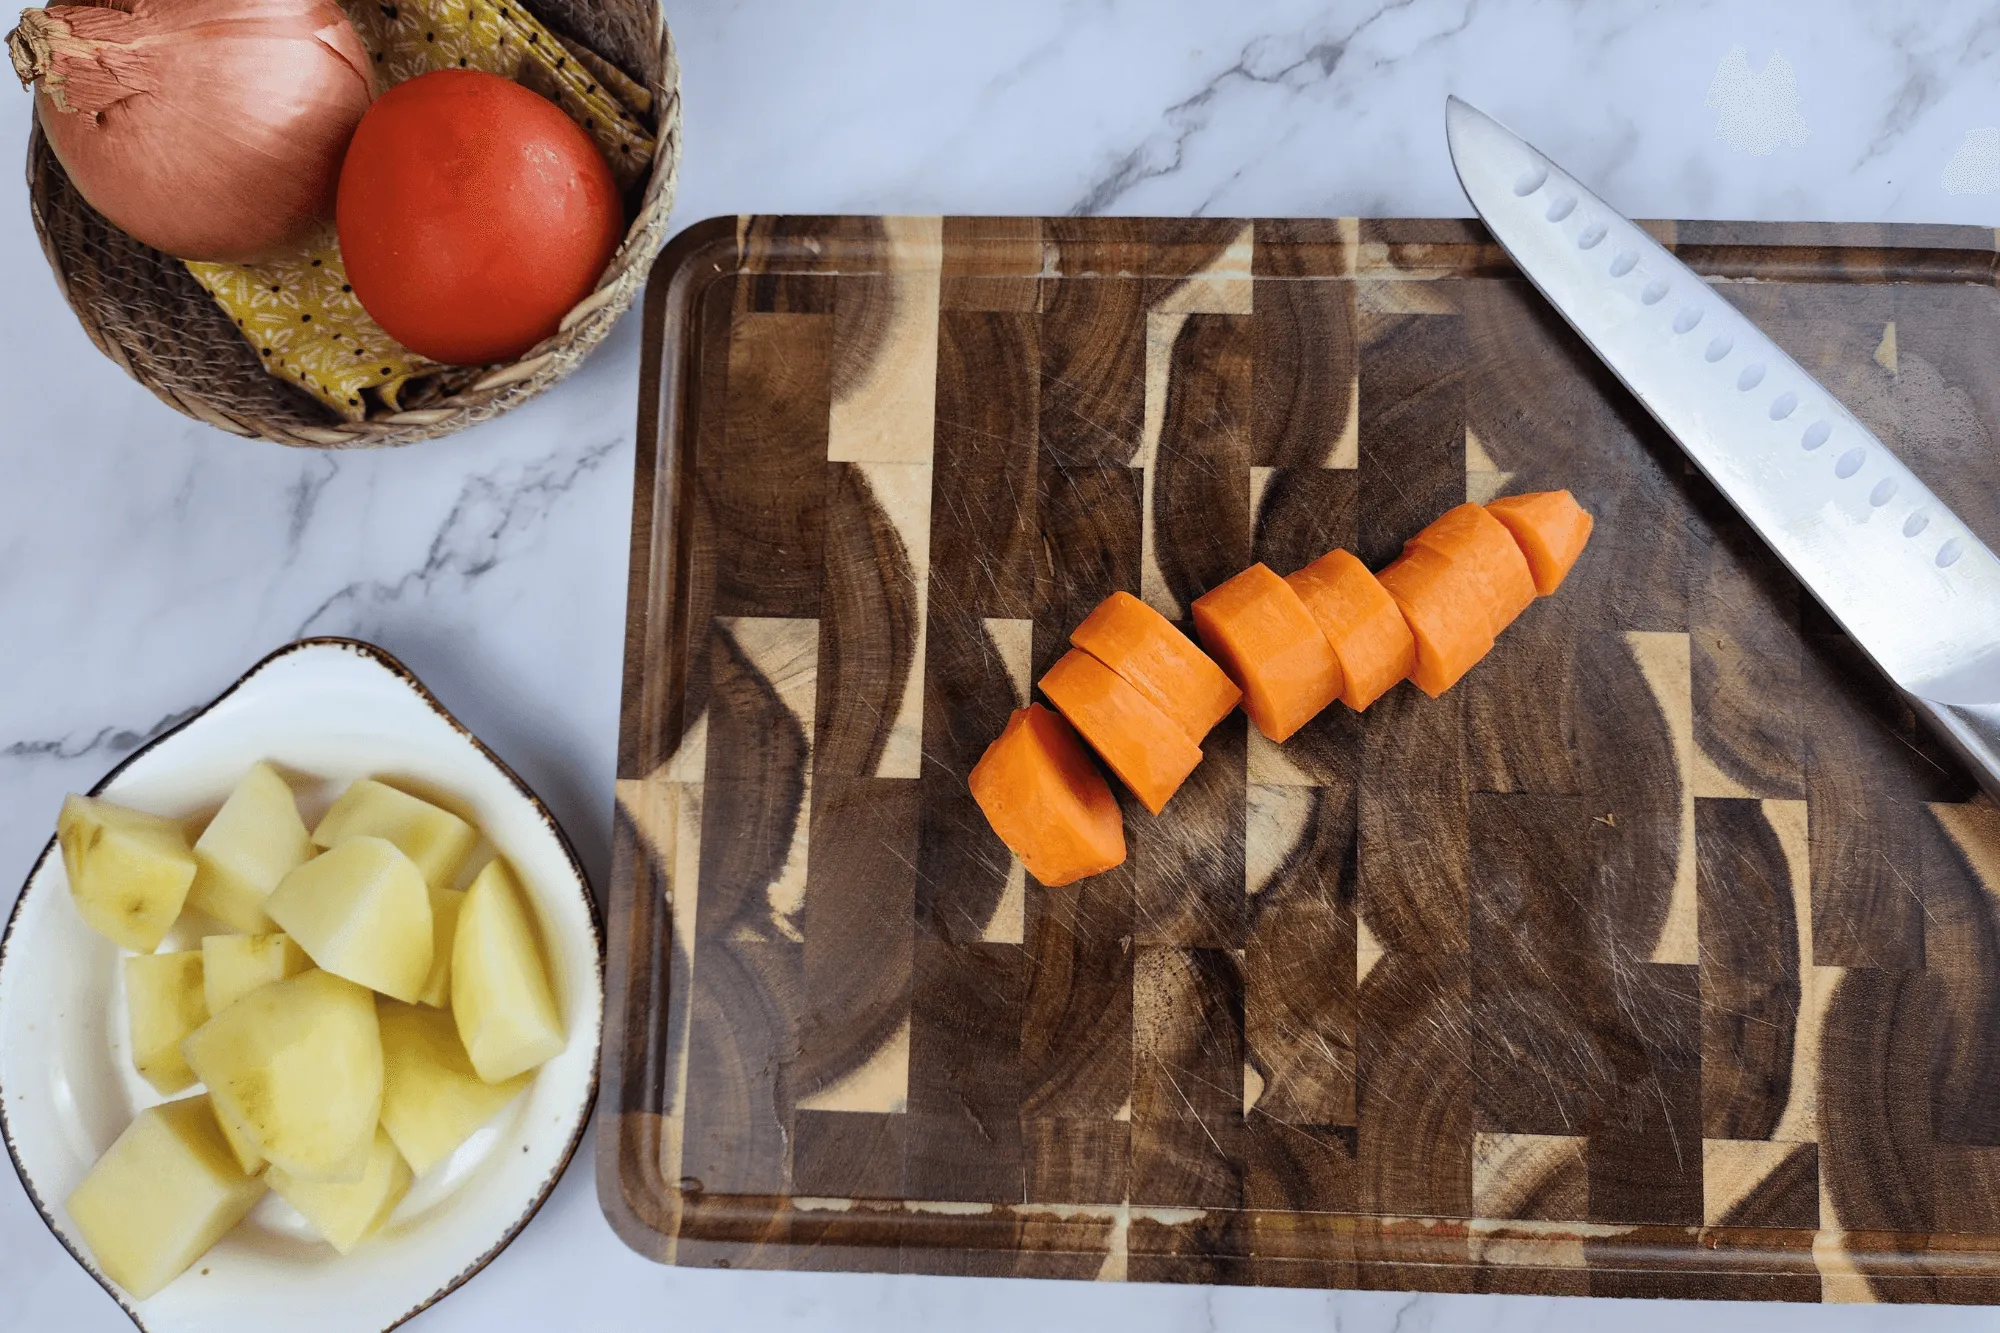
1415 1141
1091 524
983 552
1076 1035
859 900
1537 981
1201 482
1093 369
765 490
1187 1078
1299 966
962 867
1304 363
1412 446
965 1072
869 613
1658 958
1751 971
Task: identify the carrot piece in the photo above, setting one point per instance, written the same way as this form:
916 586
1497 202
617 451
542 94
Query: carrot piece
1445 604
1551 529
1144 747
1360 620
1266 640
1159 661
1474 538
1047 801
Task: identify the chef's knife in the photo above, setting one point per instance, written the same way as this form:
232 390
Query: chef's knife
1890 561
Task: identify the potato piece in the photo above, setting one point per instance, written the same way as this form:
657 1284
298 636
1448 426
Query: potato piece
128 871
432 1101
164 1001
445 905
242 1142
255 840
347 1214
234 965
361 911
165 1192
500 993
295 1068
437 840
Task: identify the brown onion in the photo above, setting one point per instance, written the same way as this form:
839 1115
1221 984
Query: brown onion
210 129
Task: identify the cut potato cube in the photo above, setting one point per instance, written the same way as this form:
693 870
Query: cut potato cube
500 992
164 1000
361 911
445 904
437 840
165 1192
347 1214
295 1068
234 965
128 871
255 840
241 1140
432 1100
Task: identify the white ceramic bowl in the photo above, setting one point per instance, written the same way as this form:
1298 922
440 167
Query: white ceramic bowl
325 711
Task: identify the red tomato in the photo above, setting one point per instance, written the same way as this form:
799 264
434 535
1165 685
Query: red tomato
473 214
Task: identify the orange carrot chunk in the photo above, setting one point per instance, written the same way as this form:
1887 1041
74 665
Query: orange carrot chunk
1360 620
1159 661
1266 640
1047 801
1551 529
1445 605
1145 748
1474 538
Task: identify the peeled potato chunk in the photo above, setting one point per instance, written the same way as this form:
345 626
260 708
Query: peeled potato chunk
164 1001
295 1068
500 993
165 1192
347 1214
241 1142
128 871
437 840
361 911
234 965
255 840
432 1100
445 904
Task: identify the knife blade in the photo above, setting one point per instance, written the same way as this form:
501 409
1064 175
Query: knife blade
1900 572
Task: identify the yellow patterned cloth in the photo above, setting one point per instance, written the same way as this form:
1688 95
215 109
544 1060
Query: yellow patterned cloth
305 323
412 37
299 312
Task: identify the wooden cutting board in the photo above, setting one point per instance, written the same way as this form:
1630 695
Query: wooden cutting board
1660 957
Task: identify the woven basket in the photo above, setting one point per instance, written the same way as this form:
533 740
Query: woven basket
145 311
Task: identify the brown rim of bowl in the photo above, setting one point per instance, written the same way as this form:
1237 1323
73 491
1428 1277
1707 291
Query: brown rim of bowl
387 660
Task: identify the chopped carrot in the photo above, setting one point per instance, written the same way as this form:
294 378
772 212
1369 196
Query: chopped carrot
1159 661
1445 604
1144 747
1266 640
1360 620
1551 529
1477 540
1047 801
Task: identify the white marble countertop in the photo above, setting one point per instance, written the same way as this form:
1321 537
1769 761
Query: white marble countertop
145 560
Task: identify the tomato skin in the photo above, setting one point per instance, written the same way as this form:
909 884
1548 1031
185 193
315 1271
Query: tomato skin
473 214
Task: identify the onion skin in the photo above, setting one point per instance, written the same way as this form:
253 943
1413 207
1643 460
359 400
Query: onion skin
210 129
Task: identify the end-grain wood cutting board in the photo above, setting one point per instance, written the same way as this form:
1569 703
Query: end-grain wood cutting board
1661 956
